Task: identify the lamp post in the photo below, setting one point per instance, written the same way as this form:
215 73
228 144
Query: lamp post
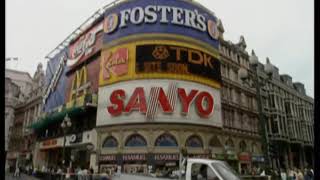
243 74
66 123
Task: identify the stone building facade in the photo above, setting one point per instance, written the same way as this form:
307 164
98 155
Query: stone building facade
239 105
17 85
26 111
290 121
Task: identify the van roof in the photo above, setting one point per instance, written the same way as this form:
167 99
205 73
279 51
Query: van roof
205 161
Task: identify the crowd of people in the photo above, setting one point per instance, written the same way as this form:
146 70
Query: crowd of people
289 174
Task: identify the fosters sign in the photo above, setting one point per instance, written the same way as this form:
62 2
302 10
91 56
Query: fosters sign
159 101
170 17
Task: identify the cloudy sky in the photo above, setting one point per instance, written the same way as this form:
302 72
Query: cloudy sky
281 30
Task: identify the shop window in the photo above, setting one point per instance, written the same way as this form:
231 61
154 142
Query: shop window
110 142
166 140
242 146
194 141
214 142
136 140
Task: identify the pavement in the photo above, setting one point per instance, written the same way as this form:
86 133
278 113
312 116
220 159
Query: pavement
9 176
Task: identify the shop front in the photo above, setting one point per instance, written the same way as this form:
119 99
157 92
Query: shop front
75 147
109 162
230 158
257 161
135 163
164 162
244 162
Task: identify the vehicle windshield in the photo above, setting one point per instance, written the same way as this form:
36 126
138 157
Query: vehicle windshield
225 171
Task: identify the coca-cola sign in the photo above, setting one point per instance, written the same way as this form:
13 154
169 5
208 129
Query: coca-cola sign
85 45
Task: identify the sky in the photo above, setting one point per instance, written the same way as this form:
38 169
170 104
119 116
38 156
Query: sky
281 30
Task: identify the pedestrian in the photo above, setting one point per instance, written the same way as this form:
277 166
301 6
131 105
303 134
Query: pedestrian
283 175
17 172
308 175
79 174
299 175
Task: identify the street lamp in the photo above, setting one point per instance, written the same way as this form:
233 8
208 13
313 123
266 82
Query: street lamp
66 123
243 74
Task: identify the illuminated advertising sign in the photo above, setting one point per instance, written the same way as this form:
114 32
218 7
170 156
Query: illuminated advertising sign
177 18
55 81
157 100
83 80
159 59
86 45
176 59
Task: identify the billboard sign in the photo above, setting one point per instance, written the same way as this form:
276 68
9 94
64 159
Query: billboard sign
87 44
154 100
159 59
55 81
83 80
177 18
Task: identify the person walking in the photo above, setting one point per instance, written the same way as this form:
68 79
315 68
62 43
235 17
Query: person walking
283 175
17 172
299 175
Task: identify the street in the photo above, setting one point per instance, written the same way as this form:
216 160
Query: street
9 176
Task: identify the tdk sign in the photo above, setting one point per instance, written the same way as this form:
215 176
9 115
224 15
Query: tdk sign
164 17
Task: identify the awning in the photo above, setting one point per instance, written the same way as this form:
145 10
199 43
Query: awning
56 117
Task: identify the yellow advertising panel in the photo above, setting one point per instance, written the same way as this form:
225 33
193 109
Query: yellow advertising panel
159 59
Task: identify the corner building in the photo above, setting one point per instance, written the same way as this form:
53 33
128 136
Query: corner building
160 90
142 81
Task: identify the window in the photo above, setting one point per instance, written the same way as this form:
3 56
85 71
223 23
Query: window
214 142
202 172
136 140
166 140
229 144
254 148
110 142
194 141
242 146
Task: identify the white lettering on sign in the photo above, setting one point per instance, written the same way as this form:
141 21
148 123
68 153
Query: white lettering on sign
203 100
159 100
107 158
166 157
149 14
84 45
55 79
134 157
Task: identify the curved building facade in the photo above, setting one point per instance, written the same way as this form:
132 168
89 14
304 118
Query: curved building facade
159 87
144 80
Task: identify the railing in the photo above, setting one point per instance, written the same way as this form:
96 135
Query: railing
82 28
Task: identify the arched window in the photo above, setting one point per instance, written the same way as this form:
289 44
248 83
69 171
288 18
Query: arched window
254 148
214 142
243 146
136 140
166 140
229 144
110 142
194 141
